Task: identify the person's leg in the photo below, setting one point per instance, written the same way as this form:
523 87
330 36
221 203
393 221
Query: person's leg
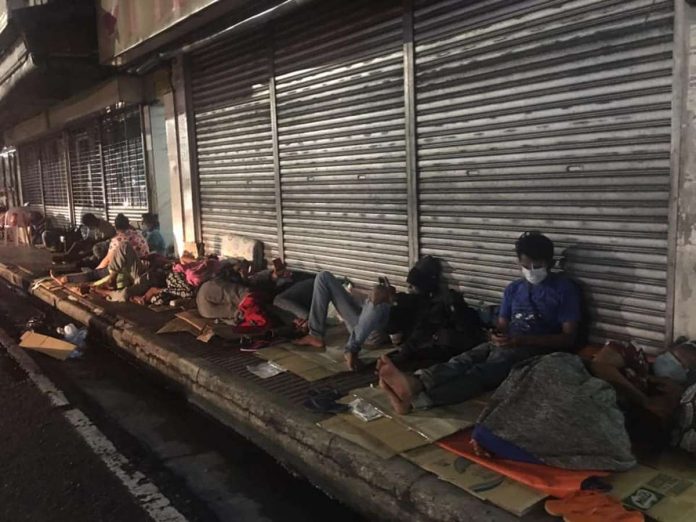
372 318
125 263
461 378
296 300
327 289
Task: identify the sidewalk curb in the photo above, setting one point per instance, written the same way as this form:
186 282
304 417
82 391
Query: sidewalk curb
392 489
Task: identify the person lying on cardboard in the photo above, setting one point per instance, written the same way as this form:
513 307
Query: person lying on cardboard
538 314
362 319
649 393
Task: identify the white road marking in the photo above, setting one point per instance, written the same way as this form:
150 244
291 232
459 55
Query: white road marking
145 492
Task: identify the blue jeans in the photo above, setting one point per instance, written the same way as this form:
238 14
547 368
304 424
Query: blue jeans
360 320
467 375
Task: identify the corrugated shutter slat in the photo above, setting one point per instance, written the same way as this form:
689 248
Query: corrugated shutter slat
231 101
339 88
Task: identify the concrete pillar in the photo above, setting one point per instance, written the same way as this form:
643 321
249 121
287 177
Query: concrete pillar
181 168
683 216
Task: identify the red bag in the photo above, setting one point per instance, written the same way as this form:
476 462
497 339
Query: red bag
250 312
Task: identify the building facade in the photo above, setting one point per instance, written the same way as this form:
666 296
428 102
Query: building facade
358 136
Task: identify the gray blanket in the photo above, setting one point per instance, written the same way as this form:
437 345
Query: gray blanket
553 408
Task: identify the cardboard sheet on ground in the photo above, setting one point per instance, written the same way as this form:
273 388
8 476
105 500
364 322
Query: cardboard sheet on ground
178 325
56 348
476 480
384 437
313 366
666 493
433 424
194 319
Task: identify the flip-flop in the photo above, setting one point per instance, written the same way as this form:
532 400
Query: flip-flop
578 502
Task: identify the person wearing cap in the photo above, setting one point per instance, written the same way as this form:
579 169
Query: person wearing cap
539 314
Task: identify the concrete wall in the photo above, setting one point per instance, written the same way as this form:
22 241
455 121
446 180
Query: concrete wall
684 171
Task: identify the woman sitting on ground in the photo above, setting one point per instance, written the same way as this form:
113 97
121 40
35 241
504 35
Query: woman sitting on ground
152 234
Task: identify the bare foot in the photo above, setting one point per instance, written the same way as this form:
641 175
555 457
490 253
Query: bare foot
61 280
353 361
404 386
400 407
309 341
138 299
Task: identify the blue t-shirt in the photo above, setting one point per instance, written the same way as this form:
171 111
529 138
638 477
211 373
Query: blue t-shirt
540 309
155 241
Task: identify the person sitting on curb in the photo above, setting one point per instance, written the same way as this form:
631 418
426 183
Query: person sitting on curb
361 320
92 248
538 314
125 234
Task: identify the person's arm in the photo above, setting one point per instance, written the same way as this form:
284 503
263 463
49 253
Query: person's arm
562 341
104 263
607 365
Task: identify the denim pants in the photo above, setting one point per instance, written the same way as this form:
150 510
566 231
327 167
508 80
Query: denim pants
467 375
296 300
360 320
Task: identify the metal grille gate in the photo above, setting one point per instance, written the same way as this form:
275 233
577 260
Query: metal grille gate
107 170
124 164
30 168
549 115
55 182
86 171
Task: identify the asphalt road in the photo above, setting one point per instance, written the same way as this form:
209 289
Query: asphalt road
48 473
207 471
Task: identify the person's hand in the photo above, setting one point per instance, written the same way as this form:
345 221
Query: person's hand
500 339
667 386
662 406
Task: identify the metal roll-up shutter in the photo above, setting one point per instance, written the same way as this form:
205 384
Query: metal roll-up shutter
340 105
55 181
86 171
555 116
30 176
124 164
232 107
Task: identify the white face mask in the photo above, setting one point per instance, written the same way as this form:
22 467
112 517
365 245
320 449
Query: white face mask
667 365
535 275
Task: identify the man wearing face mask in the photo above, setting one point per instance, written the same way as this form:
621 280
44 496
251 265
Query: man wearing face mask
538 314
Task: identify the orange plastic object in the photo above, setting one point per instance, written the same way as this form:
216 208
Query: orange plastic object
556 482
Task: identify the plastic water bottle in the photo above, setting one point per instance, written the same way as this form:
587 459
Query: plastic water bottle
73 334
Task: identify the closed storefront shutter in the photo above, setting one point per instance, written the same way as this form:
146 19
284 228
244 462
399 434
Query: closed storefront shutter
29 158
55 182
124 164
340 110
86 171
553 116
232 107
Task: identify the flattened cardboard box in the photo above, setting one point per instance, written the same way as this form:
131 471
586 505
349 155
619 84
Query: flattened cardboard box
56 348
476 480
666 493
